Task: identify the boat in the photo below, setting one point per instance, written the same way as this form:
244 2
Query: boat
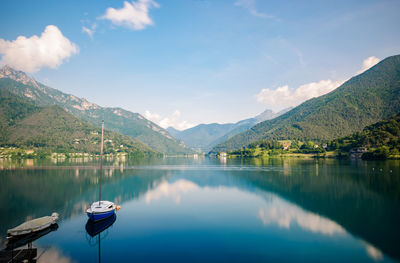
101 210
23 236
34 225
22 240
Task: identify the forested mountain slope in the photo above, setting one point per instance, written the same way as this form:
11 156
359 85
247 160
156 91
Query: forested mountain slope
364 99
51 129
117 119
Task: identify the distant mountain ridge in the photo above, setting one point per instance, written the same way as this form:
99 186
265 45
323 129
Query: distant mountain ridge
204 137
117 119
364 99
172 131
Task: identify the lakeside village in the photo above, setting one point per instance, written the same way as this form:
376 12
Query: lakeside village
16 153
26 152
262 149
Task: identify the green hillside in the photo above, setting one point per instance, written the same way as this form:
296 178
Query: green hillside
51 129
382 139
364 99
13 109
117 119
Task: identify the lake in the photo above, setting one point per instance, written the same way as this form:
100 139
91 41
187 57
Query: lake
209 210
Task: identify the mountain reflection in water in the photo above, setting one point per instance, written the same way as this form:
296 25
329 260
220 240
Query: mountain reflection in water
204 209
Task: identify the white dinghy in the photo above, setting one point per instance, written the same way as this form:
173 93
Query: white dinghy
34 225
101 210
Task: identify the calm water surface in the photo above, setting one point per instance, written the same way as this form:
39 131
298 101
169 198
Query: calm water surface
197 210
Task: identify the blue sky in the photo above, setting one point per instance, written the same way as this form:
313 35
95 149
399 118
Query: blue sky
187 62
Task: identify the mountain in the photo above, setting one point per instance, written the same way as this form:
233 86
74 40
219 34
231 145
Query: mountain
364 99
204 137
245 125
51 129
201 136
117 119
173 131
267 115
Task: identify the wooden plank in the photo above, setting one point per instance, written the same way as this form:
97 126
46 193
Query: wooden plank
18 255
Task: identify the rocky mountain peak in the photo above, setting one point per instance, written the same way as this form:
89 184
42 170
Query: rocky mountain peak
20 76
265 115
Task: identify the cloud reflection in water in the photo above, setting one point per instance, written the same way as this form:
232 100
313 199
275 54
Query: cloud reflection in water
285 214
53 255
373 252
173 190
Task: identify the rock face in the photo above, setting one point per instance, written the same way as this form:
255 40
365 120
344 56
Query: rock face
117 119
8 72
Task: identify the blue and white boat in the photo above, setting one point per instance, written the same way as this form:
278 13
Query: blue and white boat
101 209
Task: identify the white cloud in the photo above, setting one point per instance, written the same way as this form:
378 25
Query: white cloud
31 54
133 15
90 31
283 97
174 120
368 63
154 117
251 6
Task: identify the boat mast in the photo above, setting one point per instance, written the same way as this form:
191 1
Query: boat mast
101 157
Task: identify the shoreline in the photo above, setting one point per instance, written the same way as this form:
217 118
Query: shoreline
327 155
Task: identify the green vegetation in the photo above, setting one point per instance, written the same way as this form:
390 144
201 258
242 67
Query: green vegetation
364 99
30 131
377 141
265 148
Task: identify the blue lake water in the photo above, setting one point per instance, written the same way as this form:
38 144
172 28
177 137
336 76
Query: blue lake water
197 210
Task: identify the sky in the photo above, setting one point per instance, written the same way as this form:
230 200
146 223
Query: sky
184 62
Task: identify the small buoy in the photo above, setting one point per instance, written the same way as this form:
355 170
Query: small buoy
118 207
